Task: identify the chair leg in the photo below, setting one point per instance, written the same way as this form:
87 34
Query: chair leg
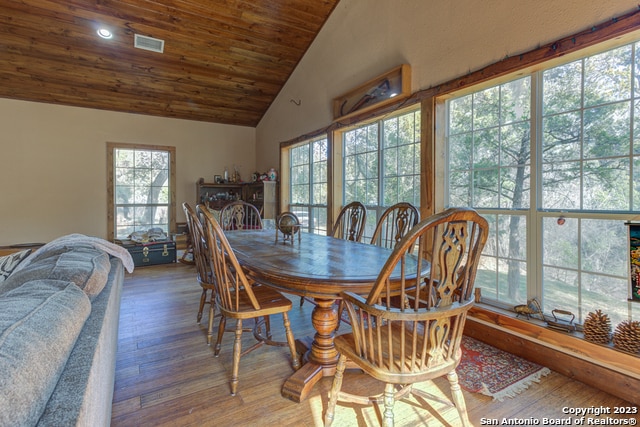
221 326
301 301
292 343
212 314
340 310
237 350
203 299
335 391
458 398
267 326
387 416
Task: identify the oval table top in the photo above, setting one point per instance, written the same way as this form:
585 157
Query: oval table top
316 266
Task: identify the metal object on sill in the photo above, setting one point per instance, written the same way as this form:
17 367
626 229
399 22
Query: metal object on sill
532 307
562 321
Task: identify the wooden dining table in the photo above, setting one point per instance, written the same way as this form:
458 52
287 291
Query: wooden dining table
314 266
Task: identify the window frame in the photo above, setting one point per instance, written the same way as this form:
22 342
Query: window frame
111 206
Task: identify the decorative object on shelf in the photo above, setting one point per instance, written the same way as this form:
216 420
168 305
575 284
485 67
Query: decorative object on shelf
217 179
235 177
634 262
562 320
531 307
273 175
384 89
255 177
226 174
597 327
627 336
288 224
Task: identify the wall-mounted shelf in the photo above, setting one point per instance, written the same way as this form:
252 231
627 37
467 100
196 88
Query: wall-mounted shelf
377 92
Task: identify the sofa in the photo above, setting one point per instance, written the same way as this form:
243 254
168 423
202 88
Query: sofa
59 315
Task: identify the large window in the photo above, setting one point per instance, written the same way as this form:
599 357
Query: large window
381 165
142 183
552 160
309 184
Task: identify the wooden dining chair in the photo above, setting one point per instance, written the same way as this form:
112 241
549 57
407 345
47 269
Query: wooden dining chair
240 215
395 222
403 345
241 299
203 266
351 222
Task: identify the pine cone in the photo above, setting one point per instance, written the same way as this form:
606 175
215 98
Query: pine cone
627 336
597 327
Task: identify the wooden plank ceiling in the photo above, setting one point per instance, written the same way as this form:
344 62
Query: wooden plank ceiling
224 61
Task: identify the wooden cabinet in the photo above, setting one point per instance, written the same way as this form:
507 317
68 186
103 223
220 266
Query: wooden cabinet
262 194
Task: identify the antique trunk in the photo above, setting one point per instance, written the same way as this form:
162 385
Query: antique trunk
152 253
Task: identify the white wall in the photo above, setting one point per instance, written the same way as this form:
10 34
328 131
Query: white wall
440 39
53 166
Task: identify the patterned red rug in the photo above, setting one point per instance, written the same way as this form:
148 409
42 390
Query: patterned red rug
493 372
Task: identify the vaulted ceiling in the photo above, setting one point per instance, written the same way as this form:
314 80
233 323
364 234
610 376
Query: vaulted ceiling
224 61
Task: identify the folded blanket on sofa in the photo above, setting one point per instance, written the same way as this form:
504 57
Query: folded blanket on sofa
75 239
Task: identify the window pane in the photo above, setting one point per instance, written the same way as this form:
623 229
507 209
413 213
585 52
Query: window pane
486 148
606 183
514 188
561 187
606 131
561 137
486 108
308 191
560 240
608 76
515 102
593 277
562 88
485 188
142 194
460 115
502 272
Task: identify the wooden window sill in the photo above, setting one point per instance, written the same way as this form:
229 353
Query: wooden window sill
572 344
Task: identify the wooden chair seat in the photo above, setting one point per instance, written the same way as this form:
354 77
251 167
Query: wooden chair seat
270 302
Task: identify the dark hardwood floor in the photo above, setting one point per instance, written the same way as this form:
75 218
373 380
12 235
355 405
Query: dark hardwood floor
166 375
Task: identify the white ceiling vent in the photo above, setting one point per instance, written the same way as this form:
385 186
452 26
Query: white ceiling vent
148 43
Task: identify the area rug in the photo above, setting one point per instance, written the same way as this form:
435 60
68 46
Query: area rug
493 372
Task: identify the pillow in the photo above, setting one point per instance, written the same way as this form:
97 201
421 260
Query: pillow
9 262
88 268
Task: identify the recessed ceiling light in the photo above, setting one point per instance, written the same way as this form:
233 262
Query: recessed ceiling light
104 33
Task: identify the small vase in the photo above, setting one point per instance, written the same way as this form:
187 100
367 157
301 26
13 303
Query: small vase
273 175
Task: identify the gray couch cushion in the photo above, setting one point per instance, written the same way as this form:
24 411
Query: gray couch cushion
33 354
88 268
84 391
